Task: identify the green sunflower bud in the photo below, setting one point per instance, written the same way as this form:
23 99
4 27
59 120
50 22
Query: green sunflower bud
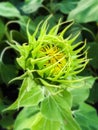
50 56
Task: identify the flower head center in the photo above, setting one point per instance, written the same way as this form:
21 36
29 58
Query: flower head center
57 58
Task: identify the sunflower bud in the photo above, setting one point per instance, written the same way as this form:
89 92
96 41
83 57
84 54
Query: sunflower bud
50 56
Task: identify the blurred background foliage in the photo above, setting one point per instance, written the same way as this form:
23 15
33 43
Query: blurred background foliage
14 16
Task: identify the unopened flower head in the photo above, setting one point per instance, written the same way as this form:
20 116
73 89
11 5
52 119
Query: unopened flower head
50 56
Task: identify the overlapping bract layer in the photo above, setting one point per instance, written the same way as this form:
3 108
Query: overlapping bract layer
50 55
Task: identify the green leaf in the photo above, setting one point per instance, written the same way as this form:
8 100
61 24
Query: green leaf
7 72
7 120
25 118
57 108
2 29
31 118
65 6
30 94
93 98
92 54
85 11
81 93
52 105
2 105
31 6
8 10
87 117
23 24
42 123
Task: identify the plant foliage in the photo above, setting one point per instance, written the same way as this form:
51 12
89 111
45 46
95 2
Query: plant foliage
48 65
